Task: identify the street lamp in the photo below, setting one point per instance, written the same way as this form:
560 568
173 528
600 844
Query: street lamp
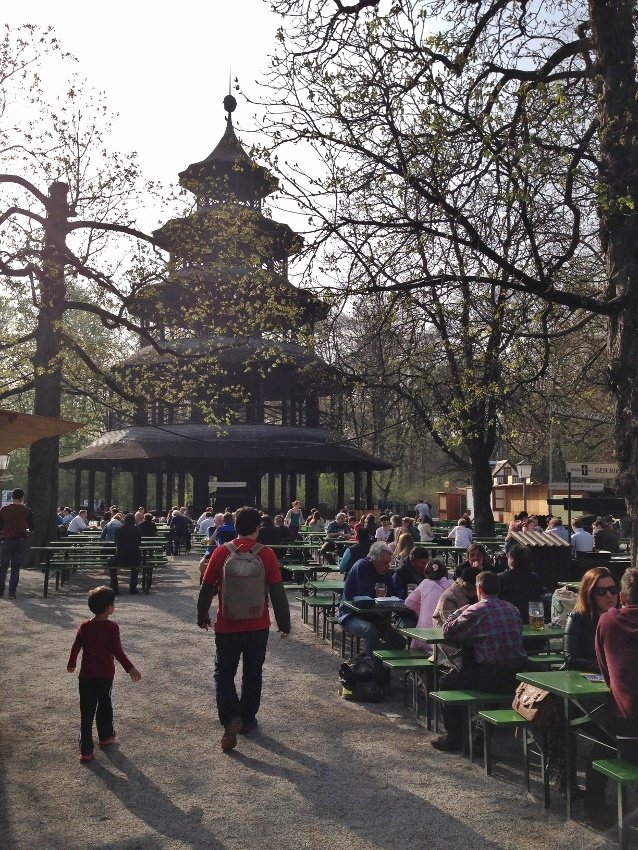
524 471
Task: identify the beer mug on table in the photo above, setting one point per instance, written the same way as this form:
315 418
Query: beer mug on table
380 589
537 616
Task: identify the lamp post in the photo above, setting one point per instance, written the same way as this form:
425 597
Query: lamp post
524 471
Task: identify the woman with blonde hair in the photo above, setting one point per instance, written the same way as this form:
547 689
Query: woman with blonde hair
402 548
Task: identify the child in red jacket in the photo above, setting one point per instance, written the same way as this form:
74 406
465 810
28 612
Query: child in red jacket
99 640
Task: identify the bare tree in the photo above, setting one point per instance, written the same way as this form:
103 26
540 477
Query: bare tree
506 134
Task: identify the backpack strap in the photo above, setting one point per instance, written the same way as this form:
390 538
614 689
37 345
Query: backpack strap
230 545
256 549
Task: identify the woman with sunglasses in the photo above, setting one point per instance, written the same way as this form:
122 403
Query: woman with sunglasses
598 593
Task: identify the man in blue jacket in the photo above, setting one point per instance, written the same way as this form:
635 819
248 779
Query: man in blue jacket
361 581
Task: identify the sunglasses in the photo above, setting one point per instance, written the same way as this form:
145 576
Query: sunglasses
601 591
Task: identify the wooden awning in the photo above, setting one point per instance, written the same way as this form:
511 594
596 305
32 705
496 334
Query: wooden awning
21 429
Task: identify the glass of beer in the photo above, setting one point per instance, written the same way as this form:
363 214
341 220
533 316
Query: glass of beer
380 589
537 616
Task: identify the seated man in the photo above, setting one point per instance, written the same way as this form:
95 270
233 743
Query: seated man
617 654
361 581
519 584
493 627
605 538
78 523
582 541
338 529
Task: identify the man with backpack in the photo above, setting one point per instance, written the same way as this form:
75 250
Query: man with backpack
242 573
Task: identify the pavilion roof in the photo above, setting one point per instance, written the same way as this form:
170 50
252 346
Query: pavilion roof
232 442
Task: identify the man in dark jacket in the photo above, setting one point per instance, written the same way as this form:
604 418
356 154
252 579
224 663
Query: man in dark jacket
519 585
361 581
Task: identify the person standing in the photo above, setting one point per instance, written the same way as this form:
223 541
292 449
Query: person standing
243 638
16 520
294 518
99 640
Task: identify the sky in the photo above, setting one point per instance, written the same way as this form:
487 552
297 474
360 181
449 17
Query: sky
164 69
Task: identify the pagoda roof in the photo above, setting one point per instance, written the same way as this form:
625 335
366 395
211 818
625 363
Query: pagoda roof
228 163
196 442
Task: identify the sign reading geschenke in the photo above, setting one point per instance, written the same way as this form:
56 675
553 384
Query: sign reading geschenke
592 469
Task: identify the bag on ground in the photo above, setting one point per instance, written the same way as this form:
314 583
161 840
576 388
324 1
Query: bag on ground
243 584
361 681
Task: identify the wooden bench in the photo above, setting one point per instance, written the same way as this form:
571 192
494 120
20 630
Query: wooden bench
624 774
470 701
508 718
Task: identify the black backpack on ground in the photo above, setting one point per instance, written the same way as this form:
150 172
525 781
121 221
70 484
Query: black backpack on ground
361 680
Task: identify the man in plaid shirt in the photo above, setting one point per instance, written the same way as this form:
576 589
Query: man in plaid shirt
493 628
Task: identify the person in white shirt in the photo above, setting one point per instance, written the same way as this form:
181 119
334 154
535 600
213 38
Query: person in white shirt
382 531
207 522
78 523
422 511
461 535
582 541
555 526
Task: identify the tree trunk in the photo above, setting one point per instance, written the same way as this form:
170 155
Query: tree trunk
44 454
613 40
481 481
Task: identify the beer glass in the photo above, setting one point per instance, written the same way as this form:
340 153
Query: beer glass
537 616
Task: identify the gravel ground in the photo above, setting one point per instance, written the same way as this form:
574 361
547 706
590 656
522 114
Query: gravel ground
319 772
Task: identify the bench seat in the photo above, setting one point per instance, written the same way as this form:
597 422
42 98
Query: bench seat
624 774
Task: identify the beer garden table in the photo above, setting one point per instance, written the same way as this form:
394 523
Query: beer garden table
574 690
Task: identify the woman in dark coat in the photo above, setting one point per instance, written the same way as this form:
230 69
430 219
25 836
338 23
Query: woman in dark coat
128 554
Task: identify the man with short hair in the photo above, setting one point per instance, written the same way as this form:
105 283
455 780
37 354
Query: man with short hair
422 511
139 515
336 530
617 654
582 541
493 627
15 520
412 571
206 523
604 537
362 578
78 523
243 638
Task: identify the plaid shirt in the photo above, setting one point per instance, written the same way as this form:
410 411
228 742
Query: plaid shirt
493 626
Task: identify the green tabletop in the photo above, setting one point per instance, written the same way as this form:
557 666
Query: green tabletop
327 584
547 633
425 635
568 684
385 610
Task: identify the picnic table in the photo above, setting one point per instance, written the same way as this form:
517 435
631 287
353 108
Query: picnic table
576 694
64 557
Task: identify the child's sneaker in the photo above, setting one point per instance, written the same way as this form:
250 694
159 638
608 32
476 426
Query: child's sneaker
108 740
229 738
88 757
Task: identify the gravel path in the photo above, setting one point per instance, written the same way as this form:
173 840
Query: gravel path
320 772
